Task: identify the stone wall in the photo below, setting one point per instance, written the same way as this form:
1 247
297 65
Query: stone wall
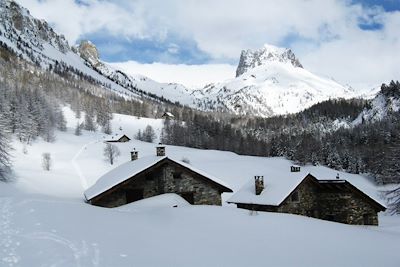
346 207
339 204
307 201
305 205
168 177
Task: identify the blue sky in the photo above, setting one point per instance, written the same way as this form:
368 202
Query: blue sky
388 5
353 41
172 50
149 51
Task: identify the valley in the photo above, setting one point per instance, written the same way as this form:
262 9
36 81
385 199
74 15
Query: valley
280 165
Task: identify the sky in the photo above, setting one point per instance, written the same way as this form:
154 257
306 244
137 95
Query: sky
355 42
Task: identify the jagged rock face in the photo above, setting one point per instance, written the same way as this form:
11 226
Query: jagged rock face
250 59
88 51
19 26
270 81
35 41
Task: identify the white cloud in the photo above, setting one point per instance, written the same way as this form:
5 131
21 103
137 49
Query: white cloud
192 76
360 57
329 40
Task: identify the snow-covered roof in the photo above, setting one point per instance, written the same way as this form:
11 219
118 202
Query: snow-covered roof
132 168
168 114
117 137
277 186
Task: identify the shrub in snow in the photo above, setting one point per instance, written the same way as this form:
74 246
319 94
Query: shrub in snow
78 129
46 161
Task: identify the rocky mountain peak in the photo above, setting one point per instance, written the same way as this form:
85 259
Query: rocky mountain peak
250 59
18 25
89 52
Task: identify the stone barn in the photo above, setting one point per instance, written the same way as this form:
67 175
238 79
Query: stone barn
299 193
154 175
119 139
168 116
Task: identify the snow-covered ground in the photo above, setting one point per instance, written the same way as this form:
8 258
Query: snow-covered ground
44 220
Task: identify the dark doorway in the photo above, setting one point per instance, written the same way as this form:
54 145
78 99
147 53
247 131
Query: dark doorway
367 219
188 196
133 195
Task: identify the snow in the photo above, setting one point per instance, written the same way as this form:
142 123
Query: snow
39 231
278 184
120 174
117 137
275 88
132 168
156 202
380 107
44 220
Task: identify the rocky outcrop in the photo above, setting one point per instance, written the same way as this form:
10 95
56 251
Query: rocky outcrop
88 51
250 59
19 26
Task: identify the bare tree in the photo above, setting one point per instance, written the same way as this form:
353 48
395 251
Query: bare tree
46 161
78 129
393 197
5 162
111 152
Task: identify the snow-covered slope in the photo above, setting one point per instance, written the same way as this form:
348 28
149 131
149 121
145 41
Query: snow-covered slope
386 103
170 91
273 88
270 81
45 222
35 41
43 231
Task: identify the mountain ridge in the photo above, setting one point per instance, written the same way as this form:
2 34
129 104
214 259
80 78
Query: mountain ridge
249 59
270 81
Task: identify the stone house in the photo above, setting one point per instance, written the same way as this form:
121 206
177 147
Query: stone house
299 193
168 116
119 139
154 175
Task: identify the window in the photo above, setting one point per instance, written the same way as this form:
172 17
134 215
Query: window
188 196
367 219
177 175
294 197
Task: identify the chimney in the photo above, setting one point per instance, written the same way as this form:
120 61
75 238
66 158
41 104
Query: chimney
259 183
134 155
294 168
160 150
337 176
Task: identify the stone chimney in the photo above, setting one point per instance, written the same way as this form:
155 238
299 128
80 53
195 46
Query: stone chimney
134 155
295 168
259 183
160 150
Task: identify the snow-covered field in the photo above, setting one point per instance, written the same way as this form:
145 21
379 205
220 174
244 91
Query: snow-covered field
44 220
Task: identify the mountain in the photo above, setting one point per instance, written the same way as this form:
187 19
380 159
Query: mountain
385 104
270 81
250 59
35 41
